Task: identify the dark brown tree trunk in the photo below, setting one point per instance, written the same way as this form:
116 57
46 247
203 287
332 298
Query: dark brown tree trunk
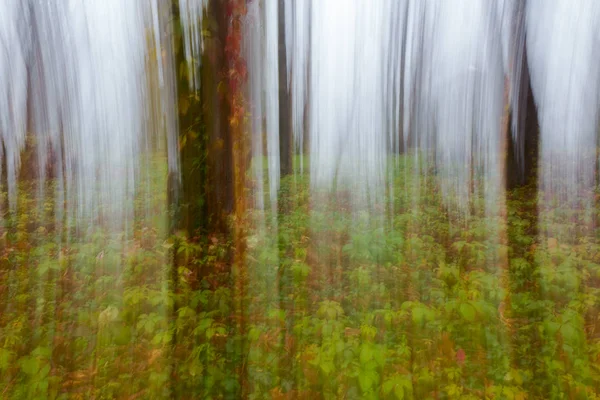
522 152
522 192
193 141
217 111
285 128
206 146
521 171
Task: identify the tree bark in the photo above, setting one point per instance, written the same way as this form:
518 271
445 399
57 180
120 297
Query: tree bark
285 128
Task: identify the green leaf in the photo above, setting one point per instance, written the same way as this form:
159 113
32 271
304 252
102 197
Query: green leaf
467 311
44 371
4 359
568 332
399 384
29 365
327 367
399 392
379 355
366 353
365 381
418 315
389 385
368 331
186 312
203 325
327 329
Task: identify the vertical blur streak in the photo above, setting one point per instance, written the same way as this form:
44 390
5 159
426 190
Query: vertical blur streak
376 84
434 82
14 49
271 88
88 87
254 45
396 235
299 17
347 133
511 20
84 67
464 84
563 48
390 76
261 50
191 21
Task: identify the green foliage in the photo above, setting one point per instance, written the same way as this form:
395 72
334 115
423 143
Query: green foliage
422 304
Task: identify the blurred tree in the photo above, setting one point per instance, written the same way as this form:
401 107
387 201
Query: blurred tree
285 127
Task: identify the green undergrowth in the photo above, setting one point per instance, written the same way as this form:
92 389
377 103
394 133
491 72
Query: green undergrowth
401 300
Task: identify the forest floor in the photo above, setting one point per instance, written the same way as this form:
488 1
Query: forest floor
417 302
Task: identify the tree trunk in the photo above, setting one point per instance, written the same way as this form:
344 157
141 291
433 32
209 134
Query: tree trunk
285 129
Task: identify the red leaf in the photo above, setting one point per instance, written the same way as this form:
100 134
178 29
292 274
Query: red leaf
460 357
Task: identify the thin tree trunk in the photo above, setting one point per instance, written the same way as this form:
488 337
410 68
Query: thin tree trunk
285 128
